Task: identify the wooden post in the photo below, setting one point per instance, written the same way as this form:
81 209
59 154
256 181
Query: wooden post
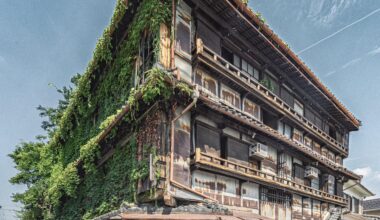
164 46
197 154
199 46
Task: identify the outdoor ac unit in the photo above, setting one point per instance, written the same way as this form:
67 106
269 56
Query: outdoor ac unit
258 151
311 172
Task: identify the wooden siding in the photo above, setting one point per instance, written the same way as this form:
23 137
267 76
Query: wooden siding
217 164
181 165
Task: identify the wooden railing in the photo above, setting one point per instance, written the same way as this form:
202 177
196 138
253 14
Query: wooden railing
248 172
247 118
248 80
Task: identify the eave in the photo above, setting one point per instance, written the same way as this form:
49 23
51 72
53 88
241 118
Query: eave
240 16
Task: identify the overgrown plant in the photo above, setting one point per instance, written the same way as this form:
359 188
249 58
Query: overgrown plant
49 166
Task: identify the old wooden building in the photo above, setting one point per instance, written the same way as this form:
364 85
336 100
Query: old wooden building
260 135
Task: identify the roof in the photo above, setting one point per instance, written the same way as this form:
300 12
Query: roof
355 186
181 212
353 216
292 57
372 204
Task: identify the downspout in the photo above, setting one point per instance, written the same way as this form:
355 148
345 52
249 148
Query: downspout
195 97
172 51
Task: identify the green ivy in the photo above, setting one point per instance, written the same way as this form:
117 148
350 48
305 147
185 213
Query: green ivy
54 188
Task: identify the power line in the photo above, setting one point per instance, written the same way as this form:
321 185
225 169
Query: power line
338 31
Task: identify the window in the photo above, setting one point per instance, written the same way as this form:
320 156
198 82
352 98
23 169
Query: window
315 183
270 83
206 82
285 166
298 107
286 96
237 61
145 60
331 156
252 109
208 140
308 142
227 55
316 147
275 196
231 96
285 129
346 140
183 39
339 160
297 135
331 185
298 173
245 66
355 205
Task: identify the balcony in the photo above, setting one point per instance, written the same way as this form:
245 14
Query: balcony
213 163
218 104
216 62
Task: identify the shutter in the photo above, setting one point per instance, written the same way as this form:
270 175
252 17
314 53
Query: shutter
287 97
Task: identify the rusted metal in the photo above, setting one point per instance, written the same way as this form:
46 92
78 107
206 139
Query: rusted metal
171 179
253 86
257 175
217 104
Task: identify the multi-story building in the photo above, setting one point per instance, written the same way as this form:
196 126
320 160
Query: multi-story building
258 133
266 135
355 193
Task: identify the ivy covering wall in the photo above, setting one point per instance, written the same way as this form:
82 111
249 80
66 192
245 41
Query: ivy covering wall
59 170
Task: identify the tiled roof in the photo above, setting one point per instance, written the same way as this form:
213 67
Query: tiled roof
371 204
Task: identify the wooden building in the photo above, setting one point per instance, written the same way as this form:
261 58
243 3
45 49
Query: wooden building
260 134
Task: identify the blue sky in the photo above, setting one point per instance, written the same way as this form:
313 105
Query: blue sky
41 42
44 41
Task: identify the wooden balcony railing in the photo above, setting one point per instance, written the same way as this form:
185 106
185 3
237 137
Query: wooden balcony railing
247 80
250 173
225 108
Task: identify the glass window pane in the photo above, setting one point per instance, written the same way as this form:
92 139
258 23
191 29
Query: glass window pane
244 65
298 107
237 61
280 127
287 131
183 37
250 70
256 73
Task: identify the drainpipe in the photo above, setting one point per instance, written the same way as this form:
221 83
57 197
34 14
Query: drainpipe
172 52
195 97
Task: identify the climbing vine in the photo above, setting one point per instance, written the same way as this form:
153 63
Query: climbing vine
64 182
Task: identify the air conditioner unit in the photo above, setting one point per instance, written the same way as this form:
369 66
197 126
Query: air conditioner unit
258 151
311 172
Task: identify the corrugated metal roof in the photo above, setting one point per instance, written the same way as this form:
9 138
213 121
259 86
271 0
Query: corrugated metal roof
372 204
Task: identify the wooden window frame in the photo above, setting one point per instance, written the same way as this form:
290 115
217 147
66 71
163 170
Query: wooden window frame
237 99
259 117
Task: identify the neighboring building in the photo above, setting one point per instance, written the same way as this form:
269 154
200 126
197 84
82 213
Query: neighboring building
355 193
255 132
371 209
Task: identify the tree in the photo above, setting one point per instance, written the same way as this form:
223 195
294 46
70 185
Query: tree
30 160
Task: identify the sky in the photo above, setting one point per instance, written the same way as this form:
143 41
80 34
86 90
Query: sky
41 42
45 42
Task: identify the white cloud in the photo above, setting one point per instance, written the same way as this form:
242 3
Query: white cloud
351 62
374 51
344 66
364 171
330 73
